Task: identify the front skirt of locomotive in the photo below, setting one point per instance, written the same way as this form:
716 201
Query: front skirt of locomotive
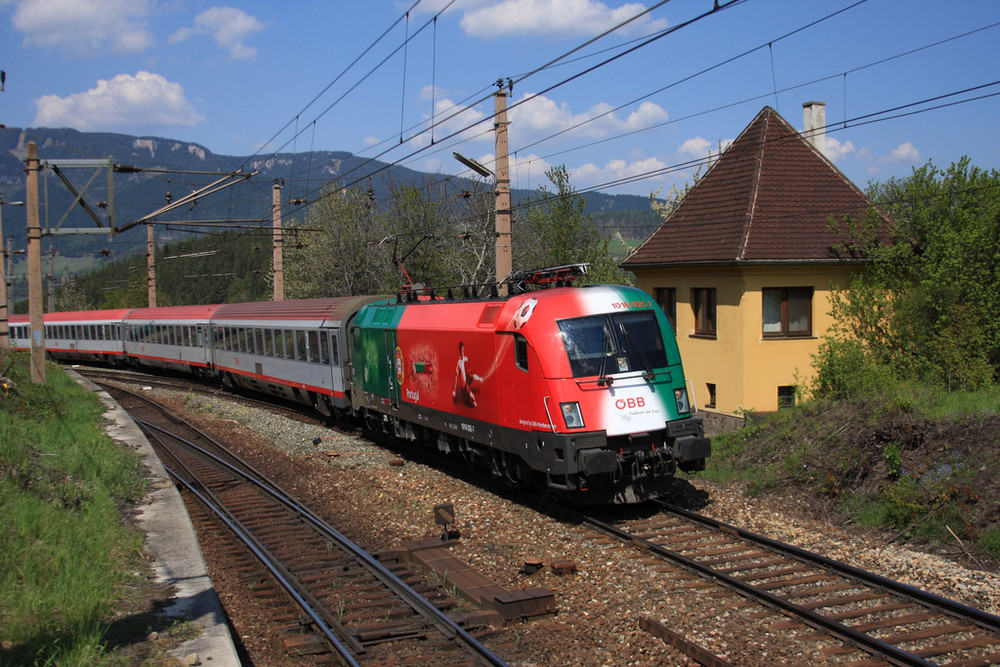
591 469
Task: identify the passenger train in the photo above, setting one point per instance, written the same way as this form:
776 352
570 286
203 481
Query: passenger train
577 390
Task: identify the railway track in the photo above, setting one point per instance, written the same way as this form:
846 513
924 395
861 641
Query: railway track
294 411
330 598
879 621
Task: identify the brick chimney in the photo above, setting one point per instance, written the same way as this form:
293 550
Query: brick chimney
814 124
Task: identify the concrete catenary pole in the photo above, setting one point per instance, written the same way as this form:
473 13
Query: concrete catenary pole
35 315
151 266
279 270
503 245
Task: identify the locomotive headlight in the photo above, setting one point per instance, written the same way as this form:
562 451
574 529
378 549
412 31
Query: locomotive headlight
571 414
681 396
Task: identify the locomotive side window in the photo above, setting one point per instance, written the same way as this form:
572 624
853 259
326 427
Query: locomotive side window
521 352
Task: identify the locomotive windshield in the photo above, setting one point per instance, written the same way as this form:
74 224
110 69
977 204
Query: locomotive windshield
613 343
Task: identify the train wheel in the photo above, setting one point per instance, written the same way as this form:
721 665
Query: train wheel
320 404
516 470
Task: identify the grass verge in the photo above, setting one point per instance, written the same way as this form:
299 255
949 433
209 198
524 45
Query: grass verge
74 586
922 469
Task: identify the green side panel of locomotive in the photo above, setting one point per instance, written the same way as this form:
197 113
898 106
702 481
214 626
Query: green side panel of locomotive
374 354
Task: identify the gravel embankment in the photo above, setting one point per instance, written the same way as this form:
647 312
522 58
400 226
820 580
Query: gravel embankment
599 607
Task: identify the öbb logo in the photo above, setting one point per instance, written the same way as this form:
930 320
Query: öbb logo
638 402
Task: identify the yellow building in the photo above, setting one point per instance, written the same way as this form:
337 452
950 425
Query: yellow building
744 266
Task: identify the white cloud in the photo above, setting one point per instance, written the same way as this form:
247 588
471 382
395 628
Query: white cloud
540 116
126 102
905 152
85 27
615 170
560 18
228 26
699 147
696 147
836 151
454 119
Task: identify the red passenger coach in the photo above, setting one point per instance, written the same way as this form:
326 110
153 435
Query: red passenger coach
171 337
290 349
89 335
20 338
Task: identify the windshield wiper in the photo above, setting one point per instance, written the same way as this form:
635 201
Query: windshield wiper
602 378
647 374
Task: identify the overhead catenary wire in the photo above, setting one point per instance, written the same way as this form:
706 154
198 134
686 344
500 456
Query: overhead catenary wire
660 34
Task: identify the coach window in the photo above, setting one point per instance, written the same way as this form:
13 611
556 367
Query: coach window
268 343
703 302
787 311
313 339
300 342
289 344
324 349
335 349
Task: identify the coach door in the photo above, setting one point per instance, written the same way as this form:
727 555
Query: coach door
205 341
395 367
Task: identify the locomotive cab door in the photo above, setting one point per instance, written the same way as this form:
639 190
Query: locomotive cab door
394 370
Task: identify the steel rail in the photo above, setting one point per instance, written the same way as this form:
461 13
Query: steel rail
266 560
285 579
417 602
981 618
892 654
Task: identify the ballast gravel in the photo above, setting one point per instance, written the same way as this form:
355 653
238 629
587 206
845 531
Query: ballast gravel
382 499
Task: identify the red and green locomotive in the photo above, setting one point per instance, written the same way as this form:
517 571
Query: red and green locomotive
578 390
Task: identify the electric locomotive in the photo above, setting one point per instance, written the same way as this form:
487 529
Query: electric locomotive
576 390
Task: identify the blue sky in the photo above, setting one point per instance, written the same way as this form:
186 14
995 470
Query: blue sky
262 76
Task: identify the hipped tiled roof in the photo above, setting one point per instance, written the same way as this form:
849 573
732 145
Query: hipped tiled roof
768 198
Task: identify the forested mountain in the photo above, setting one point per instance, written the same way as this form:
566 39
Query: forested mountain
152 171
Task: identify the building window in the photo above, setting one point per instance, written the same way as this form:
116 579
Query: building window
703 303
711 395
787 311
667 298
786 397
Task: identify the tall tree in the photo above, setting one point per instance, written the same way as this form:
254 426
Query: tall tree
926 304
340 253
556 232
